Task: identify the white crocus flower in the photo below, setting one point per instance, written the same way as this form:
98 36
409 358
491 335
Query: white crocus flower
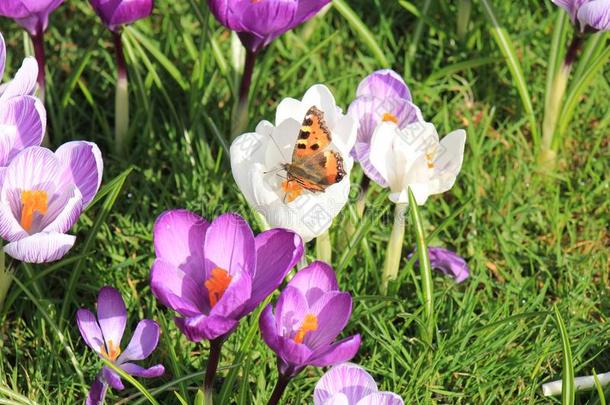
414 158
258 159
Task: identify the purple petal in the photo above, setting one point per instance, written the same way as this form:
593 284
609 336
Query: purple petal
42 247
137 371
315 280
267 17
290 311
307 9
10 228
63 211
595 14
384 84
571 6
89 329
277 252
339 352
117 13
205 327
112 378
144 340
179 237
349 379
82 165
111 315
97 393
176 289
252 42
295 354
268 327
229 245
24 82
448 263
35 168
30 14
333 311
235 297
381 398
25 117
2 55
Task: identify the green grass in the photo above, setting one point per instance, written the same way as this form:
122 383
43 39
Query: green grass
531 242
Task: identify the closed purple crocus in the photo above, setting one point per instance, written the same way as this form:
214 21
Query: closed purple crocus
382 96
33 15
260 22
43 194
214 274
448 263
592 14
350 384
309 315
115 13
22 116
103 334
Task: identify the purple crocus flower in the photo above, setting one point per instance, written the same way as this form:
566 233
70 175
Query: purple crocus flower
590 13
215 274
43 194
309 315
33 15
104 334
382 96
22 116
115 13
448 263
260 22
350 384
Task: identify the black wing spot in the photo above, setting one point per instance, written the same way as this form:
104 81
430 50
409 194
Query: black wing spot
315 146
302 146
304 135
307 121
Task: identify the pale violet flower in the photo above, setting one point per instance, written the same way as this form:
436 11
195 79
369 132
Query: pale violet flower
258 159
590 13
414 158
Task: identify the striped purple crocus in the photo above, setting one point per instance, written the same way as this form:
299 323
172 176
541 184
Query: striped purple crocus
309 315
591 14
103 334
42 196
350 384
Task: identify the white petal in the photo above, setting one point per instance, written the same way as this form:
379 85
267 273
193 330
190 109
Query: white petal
449 159
345 133
24 82
320 96
290 108
381 155
246 151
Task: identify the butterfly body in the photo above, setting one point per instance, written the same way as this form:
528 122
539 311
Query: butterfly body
315 166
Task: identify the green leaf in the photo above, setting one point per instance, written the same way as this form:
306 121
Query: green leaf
111 191
361 29
199 398
568 391
131 380
507 48
558 45
180 398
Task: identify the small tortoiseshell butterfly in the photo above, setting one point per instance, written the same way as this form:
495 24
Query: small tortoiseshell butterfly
315 166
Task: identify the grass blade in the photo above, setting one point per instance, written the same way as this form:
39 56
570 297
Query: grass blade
568 391
557 52
132 381
361 29
112 191
507 48
600 389
425 268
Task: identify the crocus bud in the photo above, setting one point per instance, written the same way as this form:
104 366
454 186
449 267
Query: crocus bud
115 13
33 15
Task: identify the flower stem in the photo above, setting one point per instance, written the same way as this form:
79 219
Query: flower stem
581 383
280 387
550 139
240 114
324 248
212 367
394 251
121 100
6 278
426 272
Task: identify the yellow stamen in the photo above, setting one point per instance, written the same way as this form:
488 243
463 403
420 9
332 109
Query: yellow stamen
430 160
32 201
310 324
113 351
217 284
292 189
389 117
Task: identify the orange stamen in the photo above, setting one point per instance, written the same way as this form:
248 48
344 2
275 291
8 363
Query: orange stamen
292 189
310 324
430 160
113 351
217 284
32 201
389 117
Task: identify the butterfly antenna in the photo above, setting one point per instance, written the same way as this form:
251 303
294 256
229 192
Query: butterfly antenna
279 149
